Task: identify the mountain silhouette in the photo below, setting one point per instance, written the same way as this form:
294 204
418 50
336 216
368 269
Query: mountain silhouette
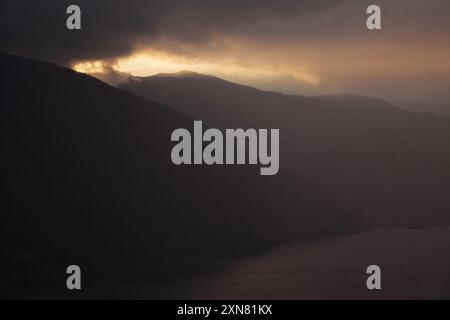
87 179
389 165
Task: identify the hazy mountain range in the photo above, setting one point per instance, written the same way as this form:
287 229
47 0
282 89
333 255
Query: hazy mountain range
87 179
385 163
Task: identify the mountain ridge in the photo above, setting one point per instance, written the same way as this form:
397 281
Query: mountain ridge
88 179
191 75
363 150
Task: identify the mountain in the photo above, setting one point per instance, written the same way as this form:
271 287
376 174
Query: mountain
387 164
87 179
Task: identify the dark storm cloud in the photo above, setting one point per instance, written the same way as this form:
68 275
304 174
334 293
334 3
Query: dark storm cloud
294 46
112 28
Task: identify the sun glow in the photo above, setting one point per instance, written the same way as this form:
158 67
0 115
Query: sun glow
149 62
89 67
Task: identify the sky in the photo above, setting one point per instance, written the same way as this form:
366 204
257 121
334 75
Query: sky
291 46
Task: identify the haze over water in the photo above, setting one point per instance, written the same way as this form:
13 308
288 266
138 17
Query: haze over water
414 265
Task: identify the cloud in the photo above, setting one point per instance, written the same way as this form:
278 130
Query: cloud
113 28
293 46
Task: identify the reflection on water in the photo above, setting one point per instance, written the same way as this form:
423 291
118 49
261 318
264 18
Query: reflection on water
415 264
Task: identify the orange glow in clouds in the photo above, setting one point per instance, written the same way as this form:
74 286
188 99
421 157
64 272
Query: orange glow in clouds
149 62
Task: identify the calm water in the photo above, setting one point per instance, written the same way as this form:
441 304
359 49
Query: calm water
415 264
